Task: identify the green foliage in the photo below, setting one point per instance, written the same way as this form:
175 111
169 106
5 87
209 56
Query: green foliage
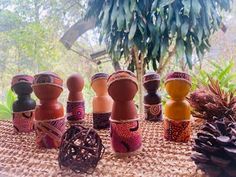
6 106
223 72
153 26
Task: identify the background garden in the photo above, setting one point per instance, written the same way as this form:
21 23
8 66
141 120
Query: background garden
30 33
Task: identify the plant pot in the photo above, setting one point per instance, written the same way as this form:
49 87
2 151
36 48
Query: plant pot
178 85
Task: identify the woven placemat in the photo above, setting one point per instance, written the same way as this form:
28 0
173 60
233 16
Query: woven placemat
19 156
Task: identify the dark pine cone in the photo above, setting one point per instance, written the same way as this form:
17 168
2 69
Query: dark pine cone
215 148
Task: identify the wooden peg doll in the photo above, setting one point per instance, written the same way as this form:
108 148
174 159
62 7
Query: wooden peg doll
24 106
102 102
125 127
49 114
75 103
152 100
177 110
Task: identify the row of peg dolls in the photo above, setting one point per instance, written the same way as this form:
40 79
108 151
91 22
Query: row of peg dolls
113 107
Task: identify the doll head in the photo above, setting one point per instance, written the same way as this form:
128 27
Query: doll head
151 82
75 83
122 85
21 84
178 85
99 83
47 85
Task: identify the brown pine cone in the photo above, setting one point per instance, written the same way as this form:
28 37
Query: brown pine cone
215 148
212 103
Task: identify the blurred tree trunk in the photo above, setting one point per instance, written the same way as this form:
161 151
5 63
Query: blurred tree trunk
165 61
116 65
138 60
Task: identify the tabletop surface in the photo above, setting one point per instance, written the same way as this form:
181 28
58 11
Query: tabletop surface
19 155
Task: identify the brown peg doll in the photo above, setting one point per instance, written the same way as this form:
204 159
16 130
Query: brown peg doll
152 100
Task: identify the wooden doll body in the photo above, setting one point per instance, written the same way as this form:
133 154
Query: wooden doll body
24 106
49 114
102 102
177 110
75 103
125 128
152 100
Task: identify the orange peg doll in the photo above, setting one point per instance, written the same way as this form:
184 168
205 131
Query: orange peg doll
177 110
102 102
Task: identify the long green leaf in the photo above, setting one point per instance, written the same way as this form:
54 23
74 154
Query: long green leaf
4 108
225 72
4 115
132 30
120 19
10 99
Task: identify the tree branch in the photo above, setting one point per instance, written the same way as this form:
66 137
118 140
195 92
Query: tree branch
76 30
167 60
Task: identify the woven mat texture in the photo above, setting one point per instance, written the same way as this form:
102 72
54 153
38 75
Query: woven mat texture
19 156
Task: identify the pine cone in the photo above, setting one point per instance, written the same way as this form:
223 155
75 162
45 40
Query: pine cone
215 148
213 103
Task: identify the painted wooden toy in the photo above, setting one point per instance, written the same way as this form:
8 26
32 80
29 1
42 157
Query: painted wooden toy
126 137
24 106
152 100
75 104
102 102
177 125
49 114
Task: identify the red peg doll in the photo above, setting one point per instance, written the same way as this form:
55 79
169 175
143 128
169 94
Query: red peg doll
75 103
125 127
49 114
